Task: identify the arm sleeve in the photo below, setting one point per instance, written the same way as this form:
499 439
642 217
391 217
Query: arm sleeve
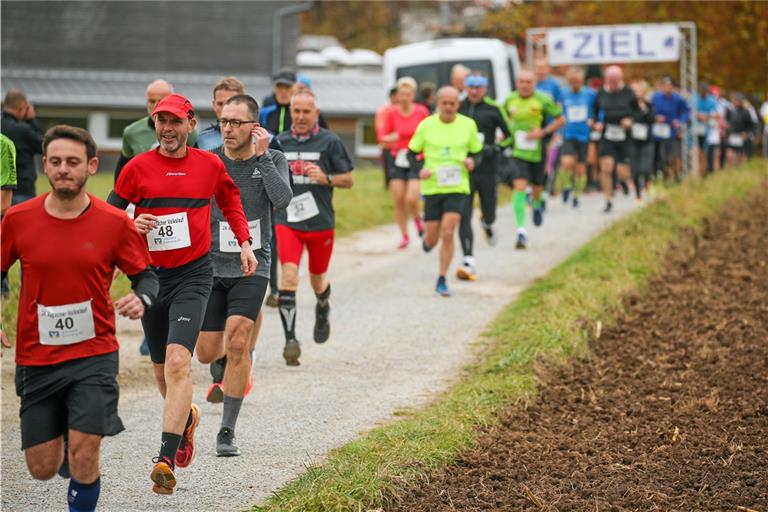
274 172
503 124
125 191
131 255
145 283
8 254
552 108
228 200
339 157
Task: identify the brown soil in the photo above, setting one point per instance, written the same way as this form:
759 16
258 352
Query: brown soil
671 412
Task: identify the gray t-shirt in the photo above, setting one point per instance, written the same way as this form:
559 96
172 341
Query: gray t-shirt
264 184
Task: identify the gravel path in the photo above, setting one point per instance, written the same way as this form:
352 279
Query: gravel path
394 343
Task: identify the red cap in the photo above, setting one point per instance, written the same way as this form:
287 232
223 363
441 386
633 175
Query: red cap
175 104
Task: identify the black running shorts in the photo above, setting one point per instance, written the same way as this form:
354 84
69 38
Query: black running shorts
80 394
575 148
242 296
532 172
436 205
618 150
177 315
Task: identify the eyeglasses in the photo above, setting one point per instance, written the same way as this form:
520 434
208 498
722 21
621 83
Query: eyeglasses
234 123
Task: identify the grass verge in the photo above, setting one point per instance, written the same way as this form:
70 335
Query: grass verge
366 205
553 319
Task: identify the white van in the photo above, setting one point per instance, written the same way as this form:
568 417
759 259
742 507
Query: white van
431 61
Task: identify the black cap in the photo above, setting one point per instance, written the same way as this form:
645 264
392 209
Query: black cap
284 78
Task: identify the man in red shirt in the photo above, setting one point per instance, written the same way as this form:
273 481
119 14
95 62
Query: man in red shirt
171 187
66 349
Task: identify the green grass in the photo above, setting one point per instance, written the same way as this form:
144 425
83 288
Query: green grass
551 320
366 205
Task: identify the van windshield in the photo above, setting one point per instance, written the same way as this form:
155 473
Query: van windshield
439 73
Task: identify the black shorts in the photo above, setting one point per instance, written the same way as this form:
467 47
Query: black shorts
575 147
177 315
533 172
80 394
403 173
618 150
435 206
230 296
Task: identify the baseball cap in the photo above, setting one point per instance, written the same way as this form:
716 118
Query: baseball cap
476 81
284 78
177 105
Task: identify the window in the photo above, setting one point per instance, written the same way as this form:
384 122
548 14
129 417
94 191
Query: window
365 139
117 125
81 121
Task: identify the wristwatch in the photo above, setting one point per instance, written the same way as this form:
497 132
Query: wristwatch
330 179
145 300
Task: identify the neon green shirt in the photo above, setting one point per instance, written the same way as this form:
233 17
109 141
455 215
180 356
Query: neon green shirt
524 115
140 136
445 146
7 163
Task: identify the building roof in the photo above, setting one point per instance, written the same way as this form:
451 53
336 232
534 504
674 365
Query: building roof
339 92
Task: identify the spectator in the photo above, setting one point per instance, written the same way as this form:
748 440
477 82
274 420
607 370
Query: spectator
427 96
7 172
210 138
672 113
459 73
19 125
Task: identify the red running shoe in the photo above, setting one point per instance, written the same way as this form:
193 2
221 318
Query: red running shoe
215 393
186 452
163 477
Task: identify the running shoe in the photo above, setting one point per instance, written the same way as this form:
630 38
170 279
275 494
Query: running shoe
272 300
566 195
144 348
322 330
575 202
163 476
442 288
538 215
215 393
608 207
225 443
403 243
292 352
490 236
522 241
419 226
466 273
186 452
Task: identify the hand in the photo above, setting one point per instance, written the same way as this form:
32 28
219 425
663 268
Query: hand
626 122
425 173
30 112
248 261
391 137
598 127
316 174
469 163
260 137
660 119
130 306
676 123
145 223
535 134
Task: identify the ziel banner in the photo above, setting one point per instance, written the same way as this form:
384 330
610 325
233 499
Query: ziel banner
613 43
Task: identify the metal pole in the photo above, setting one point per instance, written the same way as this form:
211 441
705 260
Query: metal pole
277 30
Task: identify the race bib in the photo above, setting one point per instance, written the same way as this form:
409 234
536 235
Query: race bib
65 325
449 176
522 142
713 137
595 135
640 131
662 130
172 232
302 207
615 132
228 241
401 160
735 140
700 129
577 114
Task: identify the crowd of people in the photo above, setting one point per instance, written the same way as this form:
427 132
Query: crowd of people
219 219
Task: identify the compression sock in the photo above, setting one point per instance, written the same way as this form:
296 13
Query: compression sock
564 180
169 445
322 298
580 183
638 187
231 412
536 203
286 303
83 497
518 205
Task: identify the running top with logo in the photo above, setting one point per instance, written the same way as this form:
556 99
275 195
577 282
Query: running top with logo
578 109
263 183
404 126
65 311
178 191
311 208
7 163
674 108
525 114
445 147
610 108
490 119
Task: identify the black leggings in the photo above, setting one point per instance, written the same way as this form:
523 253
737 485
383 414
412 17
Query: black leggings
485 185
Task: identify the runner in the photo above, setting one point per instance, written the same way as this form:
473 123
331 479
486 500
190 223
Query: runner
578 102
379 118
672 113
66 349
398 128
319 163
459 73
641 151
527 109
210 138
547 84
7 172
490 119
230 326
452 149
171 187
615 105
706 128
740 126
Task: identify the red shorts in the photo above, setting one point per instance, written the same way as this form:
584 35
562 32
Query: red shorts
290 244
